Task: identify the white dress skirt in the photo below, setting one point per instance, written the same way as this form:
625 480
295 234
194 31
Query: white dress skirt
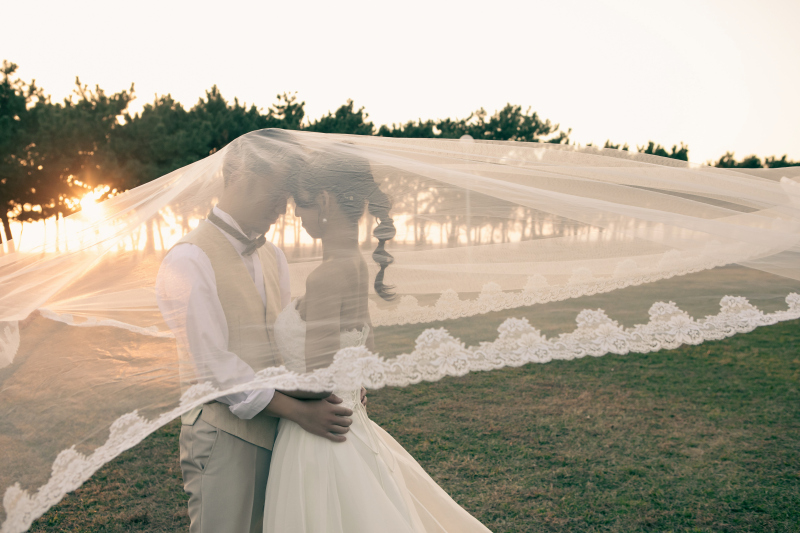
367 484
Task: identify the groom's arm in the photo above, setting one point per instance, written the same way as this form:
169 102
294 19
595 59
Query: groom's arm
186 292
305 395
325 418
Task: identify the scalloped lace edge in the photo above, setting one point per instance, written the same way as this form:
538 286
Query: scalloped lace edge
449 306
537 290
437 354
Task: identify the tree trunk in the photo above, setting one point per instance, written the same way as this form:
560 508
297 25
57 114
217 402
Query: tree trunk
370 223
159 218
6 226
58 232
150 245
416 212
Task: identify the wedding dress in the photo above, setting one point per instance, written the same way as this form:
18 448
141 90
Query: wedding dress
364 485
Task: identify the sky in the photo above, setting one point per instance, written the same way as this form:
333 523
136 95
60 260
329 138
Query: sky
717 75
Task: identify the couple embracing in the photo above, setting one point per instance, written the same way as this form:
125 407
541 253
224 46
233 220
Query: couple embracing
288 461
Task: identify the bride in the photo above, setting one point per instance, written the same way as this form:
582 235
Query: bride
369 482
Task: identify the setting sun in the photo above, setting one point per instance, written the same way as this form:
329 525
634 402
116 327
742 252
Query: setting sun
89 204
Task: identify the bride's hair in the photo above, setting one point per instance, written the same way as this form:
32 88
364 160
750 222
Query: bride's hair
349 179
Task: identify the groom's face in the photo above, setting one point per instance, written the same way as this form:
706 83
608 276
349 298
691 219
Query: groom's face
256 204
267 204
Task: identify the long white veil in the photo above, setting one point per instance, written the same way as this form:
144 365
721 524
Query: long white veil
504 253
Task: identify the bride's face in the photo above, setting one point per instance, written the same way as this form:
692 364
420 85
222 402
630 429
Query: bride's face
319 215
308 210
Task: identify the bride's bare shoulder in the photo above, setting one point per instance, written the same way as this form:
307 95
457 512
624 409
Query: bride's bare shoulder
331 277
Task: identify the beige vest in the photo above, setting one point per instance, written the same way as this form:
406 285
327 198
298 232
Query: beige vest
250 334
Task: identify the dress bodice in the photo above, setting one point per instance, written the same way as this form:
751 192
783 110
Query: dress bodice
366 483
290 335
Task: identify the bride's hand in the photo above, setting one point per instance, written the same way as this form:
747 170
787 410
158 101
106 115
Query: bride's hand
363 396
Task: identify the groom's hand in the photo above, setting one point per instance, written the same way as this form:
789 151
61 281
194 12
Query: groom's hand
326 418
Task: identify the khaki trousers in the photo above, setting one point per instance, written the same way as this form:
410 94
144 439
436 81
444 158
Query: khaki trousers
225 478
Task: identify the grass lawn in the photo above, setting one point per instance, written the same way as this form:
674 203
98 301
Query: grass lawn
703 438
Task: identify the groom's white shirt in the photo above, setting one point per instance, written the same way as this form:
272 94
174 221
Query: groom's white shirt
186 291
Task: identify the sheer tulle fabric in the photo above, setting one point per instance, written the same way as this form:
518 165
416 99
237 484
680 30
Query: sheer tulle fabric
502 244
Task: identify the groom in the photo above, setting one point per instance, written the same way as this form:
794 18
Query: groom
220 289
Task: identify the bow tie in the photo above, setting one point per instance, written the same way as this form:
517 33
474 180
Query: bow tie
250 245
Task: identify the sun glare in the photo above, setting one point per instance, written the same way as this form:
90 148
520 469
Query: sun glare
89 204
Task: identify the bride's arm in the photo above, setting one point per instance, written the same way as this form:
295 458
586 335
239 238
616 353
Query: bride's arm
323 303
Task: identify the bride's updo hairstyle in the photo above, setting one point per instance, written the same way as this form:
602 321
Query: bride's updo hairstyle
349 179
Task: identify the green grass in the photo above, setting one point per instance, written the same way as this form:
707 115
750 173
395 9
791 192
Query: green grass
703 438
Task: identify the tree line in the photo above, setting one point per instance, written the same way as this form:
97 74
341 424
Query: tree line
53 153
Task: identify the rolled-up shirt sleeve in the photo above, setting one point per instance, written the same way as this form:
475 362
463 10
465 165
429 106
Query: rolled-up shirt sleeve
186 291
